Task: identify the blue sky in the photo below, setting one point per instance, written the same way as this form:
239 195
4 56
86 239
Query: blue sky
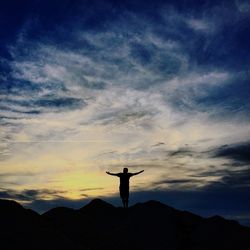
90 86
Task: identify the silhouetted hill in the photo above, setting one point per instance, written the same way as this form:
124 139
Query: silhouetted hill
98 205
25 229
99 225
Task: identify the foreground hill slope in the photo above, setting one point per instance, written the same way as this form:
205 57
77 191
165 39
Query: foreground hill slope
25 229
99 225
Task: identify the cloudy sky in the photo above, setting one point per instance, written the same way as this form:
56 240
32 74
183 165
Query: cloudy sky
94 86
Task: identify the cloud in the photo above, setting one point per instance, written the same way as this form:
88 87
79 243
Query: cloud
46 103
29 195
126 57
158 144
65 102
243 5
90 189
182 152
238 152
15 178
199 25
233 180
177 184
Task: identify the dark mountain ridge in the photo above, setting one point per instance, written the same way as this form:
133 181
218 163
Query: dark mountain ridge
100 225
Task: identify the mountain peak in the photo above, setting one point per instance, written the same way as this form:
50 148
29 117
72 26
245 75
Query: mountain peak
97 204
152 204
9 205
59 211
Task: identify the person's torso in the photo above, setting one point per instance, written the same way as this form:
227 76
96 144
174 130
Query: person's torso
124 179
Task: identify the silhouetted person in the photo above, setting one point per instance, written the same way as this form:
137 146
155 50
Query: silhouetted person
124 184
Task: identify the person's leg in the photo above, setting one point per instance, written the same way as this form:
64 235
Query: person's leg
126 197
124 194
124 202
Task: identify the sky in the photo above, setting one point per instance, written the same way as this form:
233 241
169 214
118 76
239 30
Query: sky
93 86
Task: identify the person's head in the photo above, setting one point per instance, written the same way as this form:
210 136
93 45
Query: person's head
125 170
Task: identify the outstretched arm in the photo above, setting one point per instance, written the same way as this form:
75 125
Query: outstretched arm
138 172
115 174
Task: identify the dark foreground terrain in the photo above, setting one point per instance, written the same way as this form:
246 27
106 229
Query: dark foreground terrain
99 225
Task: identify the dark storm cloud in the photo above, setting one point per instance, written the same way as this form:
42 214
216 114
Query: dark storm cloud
158 144
94 84
177 184
186 151
214 172
182 152
12 86
173 181
237 152
29 194
236 179
40 104
29 112
235 174
62 102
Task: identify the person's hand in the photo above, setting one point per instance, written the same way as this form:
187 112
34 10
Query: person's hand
142 171
107 172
